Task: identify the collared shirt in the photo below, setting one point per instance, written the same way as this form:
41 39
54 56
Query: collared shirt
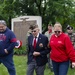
36 39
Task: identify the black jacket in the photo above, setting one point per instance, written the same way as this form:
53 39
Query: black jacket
41 59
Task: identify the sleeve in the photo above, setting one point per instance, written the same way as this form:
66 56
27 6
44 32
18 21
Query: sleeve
70 49
12 40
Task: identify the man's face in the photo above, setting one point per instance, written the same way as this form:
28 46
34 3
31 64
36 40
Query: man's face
2 28
35 31
70 30
49 27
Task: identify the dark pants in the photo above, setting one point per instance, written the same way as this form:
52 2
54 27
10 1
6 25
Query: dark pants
8 63
60 68
38 69
50 62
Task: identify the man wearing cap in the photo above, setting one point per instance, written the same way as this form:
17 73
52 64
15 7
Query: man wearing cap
37 53
72 36
7 44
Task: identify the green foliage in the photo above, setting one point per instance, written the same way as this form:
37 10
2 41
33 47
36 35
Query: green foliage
21 51
20 65
62 11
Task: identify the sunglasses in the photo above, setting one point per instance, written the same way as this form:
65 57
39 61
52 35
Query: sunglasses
57 31
34 31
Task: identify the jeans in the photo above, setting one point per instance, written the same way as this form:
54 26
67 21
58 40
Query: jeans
9 64
60 68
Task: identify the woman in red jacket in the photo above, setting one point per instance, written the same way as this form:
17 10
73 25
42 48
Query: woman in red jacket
61 51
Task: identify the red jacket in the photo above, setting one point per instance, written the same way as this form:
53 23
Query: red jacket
61 48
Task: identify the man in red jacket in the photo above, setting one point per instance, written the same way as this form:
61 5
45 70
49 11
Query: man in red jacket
61 51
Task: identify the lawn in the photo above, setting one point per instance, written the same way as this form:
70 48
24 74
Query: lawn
21 66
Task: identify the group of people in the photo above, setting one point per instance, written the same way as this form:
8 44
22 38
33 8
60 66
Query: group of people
59 45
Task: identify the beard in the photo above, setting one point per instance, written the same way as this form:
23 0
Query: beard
2 30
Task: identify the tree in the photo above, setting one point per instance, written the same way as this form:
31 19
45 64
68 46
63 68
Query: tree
50 10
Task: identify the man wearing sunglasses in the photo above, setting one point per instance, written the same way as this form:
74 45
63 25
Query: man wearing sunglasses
37 53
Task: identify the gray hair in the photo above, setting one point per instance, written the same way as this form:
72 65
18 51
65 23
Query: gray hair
3 22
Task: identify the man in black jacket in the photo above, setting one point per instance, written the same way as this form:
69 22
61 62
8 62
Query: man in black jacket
37 53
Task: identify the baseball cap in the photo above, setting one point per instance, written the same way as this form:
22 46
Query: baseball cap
69 27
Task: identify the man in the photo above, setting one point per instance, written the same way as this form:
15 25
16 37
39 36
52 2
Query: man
48 34
7 44
72 37
71 34
37 53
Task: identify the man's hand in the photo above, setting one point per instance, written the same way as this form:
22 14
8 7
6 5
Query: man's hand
6 51
40 45
36 53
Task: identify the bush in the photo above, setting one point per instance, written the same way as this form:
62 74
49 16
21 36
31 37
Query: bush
21 51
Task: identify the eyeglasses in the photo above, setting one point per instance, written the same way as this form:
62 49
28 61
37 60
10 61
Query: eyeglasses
57 31
34 31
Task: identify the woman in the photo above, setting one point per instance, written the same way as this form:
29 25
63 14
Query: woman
61 51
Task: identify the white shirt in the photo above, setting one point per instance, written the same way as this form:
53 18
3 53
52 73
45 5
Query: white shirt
36 39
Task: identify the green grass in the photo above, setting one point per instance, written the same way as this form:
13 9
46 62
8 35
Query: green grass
21 66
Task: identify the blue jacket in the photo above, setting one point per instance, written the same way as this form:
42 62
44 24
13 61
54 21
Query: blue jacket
7 41
42 59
